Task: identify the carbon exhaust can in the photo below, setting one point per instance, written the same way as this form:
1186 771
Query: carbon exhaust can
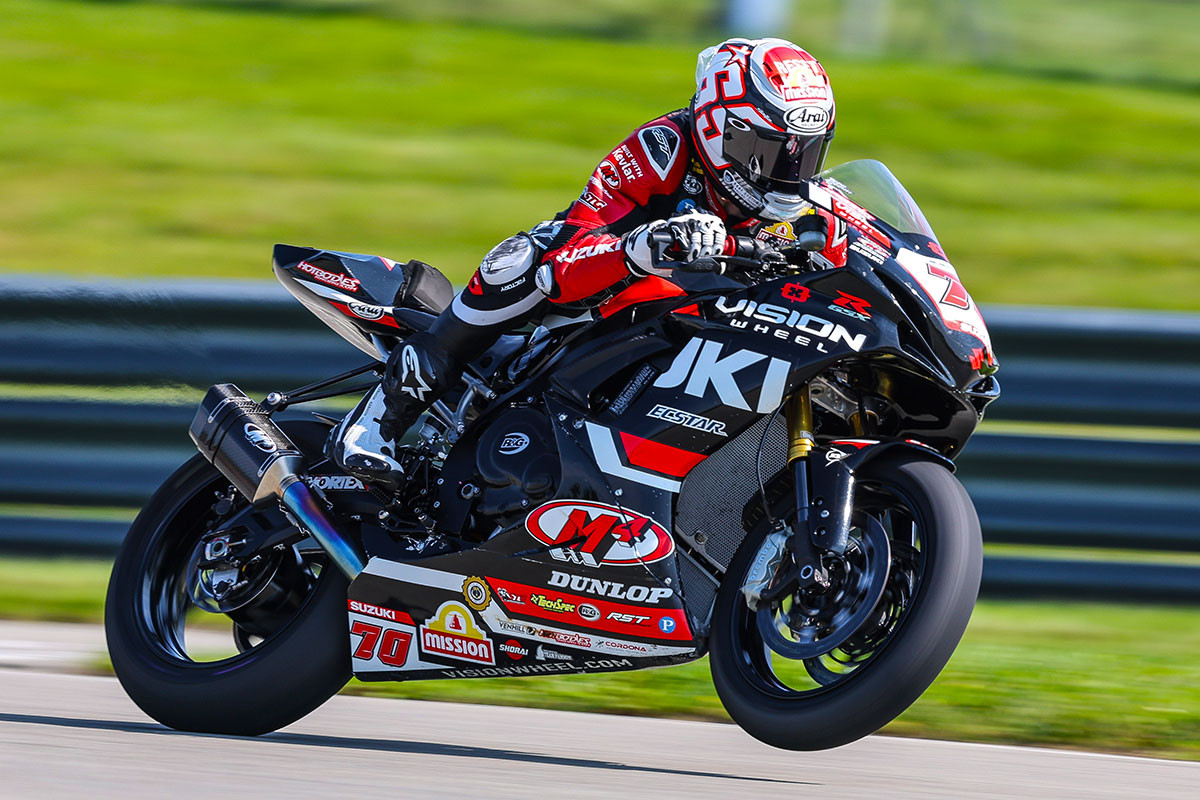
237 435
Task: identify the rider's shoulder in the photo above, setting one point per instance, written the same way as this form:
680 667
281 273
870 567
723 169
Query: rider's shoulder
656 151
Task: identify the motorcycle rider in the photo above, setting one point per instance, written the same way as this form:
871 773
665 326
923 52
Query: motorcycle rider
759 124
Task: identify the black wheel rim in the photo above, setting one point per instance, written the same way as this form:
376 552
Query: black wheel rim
912 550
168 618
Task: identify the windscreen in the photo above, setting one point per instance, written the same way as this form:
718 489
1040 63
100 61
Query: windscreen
872 185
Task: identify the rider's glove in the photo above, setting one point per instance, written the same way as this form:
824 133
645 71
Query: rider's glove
698 235
693 236
645 247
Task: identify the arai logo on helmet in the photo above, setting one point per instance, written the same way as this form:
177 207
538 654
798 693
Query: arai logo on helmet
807 119
365 311
592 534
258 437
513 443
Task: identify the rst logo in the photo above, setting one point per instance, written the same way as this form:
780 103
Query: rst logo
595 533
700 364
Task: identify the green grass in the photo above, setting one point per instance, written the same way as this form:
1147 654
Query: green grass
1097 676
56 589
162 139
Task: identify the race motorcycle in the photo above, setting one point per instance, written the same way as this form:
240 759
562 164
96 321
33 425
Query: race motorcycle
750 460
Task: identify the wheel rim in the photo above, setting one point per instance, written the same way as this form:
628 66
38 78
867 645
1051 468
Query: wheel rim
910 549
172 608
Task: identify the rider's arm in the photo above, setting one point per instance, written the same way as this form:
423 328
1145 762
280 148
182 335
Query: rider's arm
630 186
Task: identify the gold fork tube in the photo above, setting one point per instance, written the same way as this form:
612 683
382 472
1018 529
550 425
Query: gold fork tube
800 424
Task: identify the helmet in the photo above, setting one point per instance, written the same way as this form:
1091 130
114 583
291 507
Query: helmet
762 118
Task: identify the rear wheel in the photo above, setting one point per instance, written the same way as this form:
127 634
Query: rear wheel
218 650
915 558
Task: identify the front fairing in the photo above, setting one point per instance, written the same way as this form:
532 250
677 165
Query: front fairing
893 247
840 318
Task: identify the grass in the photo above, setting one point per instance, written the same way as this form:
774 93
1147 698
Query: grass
160 139
53 589
1109 677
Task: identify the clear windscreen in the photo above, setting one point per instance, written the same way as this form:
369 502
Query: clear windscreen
872 185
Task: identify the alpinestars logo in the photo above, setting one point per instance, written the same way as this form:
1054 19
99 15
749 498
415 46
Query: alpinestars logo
699 365
592 534
410 379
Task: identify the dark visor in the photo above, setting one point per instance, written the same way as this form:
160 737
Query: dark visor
773 161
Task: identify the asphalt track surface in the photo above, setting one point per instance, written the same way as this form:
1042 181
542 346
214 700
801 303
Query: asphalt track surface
79 736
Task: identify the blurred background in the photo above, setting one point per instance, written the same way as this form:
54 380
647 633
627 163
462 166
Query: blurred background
1051 143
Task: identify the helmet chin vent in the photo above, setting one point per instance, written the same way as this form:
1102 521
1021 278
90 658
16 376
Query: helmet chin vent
782 207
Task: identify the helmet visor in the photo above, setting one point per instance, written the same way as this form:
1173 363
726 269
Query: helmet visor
773 161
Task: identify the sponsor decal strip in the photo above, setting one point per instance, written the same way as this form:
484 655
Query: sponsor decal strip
573 609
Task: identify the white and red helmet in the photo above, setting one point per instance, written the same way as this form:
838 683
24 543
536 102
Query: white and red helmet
763 118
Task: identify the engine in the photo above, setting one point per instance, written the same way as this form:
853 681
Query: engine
496 477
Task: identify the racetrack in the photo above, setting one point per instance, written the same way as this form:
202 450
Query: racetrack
72 735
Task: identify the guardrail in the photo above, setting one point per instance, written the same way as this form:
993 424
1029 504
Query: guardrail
62 457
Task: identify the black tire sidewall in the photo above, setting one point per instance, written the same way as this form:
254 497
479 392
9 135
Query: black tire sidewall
907 665
272 685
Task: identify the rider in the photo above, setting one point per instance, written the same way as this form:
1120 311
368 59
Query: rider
759 124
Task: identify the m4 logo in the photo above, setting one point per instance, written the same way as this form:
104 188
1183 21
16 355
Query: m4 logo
592 534
700 365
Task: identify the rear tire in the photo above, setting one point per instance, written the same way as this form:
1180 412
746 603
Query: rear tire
292 671
860 702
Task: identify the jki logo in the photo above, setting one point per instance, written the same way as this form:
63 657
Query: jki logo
700 365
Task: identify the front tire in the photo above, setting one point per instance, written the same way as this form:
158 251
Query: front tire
843 705
279 675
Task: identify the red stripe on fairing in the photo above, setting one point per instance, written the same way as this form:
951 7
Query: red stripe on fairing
645 290
659 457
856 443
386 319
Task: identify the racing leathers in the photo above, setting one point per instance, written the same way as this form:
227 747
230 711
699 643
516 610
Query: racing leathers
587 255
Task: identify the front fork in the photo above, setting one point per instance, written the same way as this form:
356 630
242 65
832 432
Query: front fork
824 497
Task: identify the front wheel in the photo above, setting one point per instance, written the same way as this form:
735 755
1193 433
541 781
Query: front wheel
930 566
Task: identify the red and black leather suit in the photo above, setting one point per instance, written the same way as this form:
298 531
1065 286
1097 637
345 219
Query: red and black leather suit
579 258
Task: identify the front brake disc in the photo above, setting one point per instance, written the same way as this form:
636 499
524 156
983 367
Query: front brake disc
859 593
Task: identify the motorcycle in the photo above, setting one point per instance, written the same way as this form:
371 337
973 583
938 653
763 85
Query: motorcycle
750 460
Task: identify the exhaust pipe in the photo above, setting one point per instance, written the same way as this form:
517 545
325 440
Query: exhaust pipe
242 441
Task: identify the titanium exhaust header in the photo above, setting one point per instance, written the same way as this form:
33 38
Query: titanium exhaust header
246 446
